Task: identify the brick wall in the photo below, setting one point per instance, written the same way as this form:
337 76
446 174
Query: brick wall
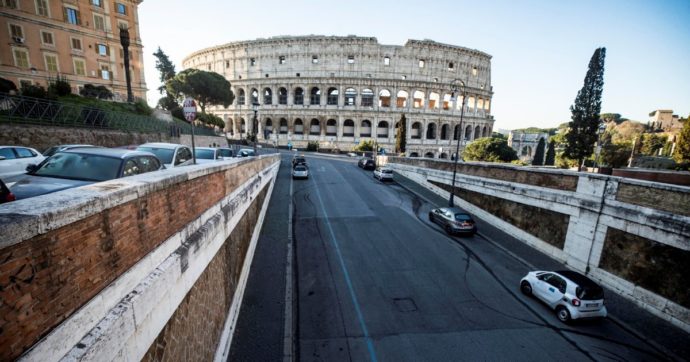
47 277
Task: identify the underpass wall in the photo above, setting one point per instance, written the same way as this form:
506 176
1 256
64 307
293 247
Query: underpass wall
631 235
112 270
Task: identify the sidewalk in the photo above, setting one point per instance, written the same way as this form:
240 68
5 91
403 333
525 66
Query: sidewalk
668 338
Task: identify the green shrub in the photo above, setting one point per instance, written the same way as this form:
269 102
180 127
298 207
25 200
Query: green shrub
364 145
60 87
313 146
141 107
35 91
100 92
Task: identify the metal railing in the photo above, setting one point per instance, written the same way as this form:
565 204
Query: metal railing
27 110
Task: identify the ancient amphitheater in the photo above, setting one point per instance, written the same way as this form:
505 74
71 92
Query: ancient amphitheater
341 90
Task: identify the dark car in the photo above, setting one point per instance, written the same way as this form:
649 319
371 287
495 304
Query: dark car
246 152
368 164
5 194
298 160
453 220
82 166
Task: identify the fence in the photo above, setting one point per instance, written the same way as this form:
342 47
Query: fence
27 110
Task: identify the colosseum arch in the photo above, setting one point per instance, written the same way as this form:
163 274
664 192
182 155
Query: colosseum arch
470 103
401 99
243 126
485 133
349 128
299 96
418 99
282 95
443 156
367 98
365 130
444 131
447 99
477 132
459 102
331 127
299 126
332 97
456 132
268 127
468 133
431 131
254 96
315 96
434 100
414 154
384 98
314 127
350 96
268 96
416 131
283 126
382 130
429 155
240 96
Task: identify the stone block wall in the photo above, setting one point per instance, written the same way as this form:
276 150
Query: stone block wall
75 263
631 235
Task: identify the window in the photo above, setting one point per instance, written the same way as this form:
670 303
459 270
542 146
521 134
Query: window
227 64
474 71
76 44
98 22
47 38
252 61
98 3
350 59
51 63
8 153
350 95
24 152
315 59
421 63
16 31
79 67
451 66
71 15
42 7
21 58
184 154
121 9
103 49
281 59
367 98
12 4
386 61
105 72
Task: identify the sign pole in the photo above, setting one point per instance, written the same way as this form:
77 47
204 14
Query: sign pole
193 147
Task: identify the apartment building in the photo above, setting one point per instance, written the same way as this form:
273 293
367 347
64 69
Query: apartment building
76 39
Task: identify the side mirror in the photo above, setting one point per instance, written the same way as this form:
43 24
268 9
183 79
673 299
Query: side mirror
31 168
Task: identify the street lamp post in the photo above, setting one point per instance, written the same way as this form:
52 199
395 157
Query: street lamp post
453 97
255 107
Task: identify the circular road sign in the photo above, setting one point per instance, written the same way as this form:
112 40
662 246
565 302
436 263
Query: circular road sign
189 109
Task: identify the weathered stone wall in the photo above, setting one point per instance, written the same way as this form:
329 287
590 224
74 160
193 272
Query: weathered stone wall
633 236
199 319
59 251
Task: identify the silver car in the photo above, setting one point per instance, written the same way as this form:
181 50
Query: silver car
383 174
571 294
453 220
300 171
171 154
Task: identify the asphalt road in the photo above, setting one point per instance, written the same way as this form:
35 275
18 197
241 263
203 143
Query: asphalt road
374 280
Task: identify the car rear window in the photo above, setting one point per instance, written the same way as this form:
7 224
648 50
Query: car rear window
590 293
462 217
163 154
300 168
387 171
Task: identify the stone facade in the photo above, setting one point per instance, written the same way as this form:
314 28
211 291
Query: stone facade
339 91
525 144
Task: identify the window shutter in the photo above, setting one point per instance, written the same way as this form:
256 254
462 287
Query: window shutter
64 13
78 17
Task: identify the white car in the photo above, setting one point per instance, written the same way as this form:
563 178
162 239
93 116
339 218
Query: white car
171 154
383 174
207 155
14 159
226 153
571 294
300 171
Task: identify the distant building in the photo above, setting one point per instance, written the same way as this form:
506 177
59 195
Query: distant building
76 39
665 120
525 144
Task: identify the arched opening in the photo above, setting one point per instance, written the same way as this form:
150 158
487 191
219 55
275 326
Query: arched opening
332 99
384 98
456 132
526 151
349 128
268 96
446 101
485 132
434 99
444 132
282 95
229 123
331 127
350 96
299 126
477 132
367 98
443 156
480 103
431 131
254 96
401 99
468 133
415 132
315 127
283 126
458 102
240 96
365 129
268 128
418 99
315 96
470 103
382 129
299 96
429 155
243 126
414 154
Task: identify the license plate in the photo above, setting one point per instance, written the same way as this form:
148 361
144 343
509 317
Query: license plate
592 304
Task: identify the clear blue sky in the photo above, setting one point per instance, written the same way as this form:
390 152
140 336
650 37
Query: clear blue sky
540 48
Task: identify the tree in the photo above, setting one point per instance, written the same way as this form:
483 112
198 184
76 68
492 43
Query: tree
550 154
538 159
652 144
401 135
489 149
615 155
585 111
498 135
627 131
165 67
207 88
364 146
682 152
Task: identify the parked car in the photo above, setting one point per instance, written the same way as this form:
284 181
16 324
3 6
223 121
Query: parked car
453 220
206 154
226 153
55 149
5 194
82 166
171 154
383 174
14 159
571 294
246 152
300 171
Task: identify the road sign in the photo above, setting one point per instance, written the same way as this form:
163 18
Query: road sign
189 109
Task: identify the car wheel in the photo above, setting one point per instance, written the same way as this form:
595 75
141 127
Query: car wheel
449 230
431 217
526 288
563 314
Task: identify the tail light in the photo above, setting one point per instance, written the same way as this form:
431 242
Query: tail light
575 302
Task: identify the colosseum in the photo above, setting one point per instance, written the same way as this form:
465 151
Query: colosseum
339 91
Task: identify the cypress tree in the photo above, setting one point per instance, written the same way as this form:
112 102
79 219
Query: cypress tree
585 111
551 154
401 135
682 151
539 154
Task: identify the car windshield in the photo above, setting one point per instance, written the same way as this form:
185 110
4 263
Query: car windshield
163 154
204 154
387 171
591 292
78 166
462 217
300 168
51 151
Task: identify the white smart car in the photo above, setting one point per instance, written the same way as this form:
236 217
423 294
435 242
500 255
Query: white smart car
571 294
383 174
